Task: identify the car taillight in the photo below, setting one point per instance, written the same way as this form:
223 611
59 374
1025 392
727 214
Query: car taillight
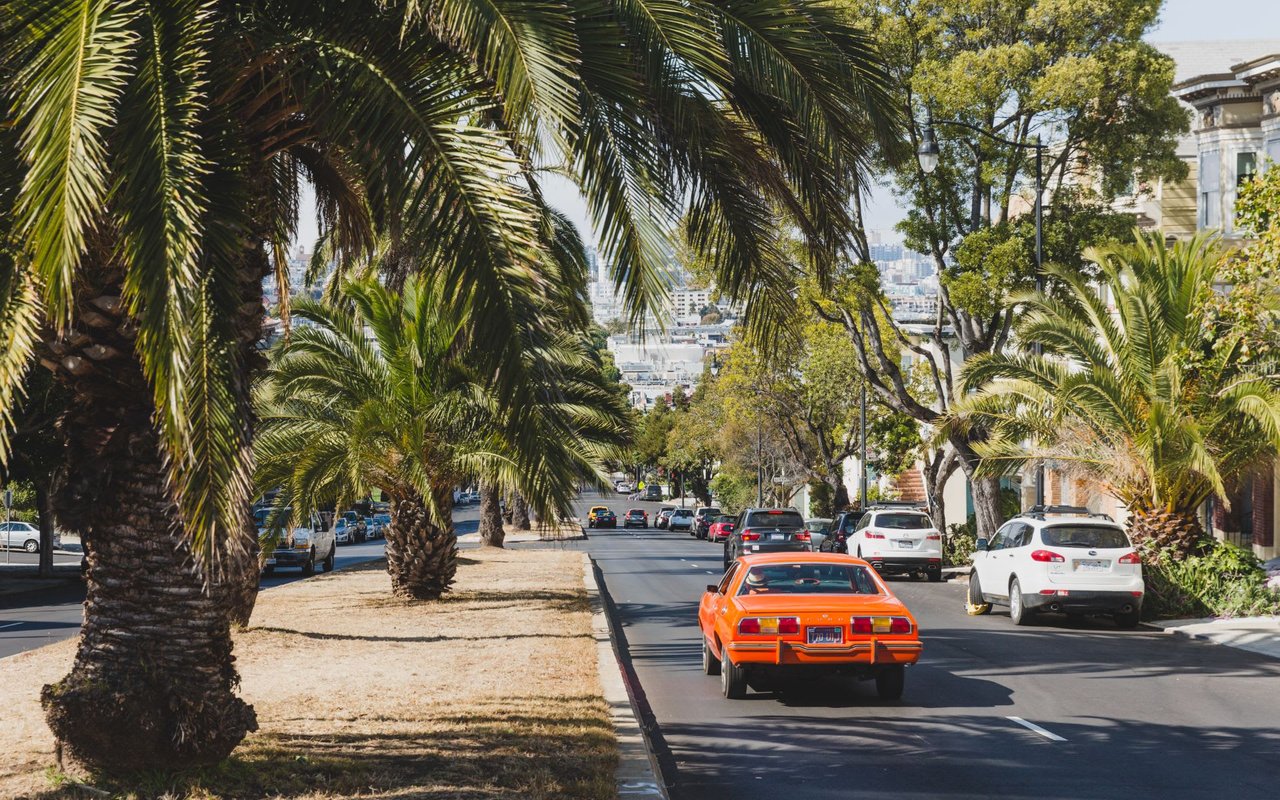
802 536
749 625
748 536
769 625
869 625
1130 558
1046 555
788 625
873 535
934 537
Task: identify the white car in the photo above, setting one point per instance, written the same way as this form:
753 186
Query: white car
343 531
624 487
22 535
898 540
1061 559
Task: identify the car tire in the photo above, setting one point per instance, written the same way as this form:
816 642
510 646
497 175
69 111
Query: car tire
309 566
710 664
976 606
733 679
935 575
327 564
890 681
1128 620
31 546
1018 613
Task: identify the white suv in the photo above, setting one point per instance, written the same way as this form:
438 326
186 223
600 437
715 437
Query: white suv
1060 559
898 540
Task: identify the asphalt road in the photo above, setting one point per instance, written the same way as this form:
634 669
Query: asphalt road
34 619
1121 714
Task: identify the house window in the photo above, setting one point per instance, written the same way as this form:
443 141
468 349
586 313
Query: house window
1246 167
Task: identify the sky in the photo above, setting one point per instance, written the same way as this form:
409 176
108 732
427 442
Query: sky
1181 20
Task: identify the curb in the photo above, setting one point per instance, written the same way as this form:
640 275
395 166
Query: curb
637 774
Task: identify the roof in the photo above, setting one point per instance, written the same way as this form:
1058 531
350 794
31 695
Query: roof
800 556
1192 59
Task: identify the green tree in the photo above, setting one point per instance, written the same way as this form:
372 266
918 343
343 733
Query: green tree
1253 304
1078 73
1155 402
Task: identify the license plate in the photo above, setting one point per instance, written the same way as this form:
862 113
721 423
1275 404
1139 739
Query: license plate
905 544
825 635
1092 565
777 537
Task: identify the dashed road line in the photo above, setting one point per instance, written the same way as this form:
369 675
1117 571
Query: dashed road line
10 625
1031 726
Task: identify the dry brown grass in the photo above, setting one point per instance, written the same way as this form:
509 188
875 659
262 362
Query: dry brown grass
490 693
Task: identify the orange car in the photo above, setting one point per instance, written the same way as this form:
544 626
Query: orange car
799 613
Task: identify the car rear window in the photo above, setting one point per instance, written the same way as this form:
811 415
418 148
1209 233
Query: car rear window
775 519
818 525
724 518
808 579
902 522
1097 536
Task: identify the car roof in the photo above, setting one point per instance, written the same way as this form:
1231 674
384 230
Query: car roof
800 557
633 510
1043 521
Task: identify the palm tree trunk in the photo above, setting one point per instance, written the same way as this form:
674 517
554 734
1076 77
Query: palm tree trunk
1176 532
44 509
520 513
491 532
153 684
422 556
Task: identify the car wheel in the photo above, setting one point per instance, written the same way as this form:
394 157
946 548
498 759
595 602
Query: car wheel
733 679
327 564
710 664
31 546
890 682
935 575
309 566
1129 619
976 606
1020 614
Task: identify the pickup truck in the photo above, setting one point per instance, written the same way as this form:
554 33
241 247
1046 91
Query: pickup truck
295 545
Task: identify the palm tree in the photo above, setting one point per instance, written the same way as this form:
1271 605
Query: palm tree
1148 396
149 181
407 413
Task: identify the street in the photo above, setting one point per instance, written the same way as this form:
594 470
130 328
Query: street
34 619
1104 713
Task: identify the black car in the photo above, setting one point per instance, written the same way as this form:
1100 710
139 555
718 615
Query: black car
605 519
637 518
766 530
845 523
702 520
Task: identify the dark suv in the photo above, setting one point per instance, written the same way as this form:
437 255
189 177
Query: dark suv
702 519
766 530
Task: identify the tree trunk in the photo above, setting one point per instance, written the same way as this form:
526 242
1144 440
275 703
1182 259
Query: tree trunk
1178 533
422 556
153 684
840 492
244 571
44 509
986 504
520 513
491 532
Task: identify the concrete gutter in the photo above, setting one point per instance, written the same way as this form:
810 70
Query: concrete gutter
637 774
1255 634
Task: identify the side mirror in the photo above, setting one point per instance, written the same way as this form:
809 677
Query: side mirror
713 588
981 545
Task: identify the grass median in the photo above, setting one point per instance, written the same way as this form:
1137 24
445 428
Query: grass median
491 692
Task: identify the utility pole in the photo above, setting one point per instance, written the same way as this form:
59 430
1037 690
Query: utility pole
8 537
759 463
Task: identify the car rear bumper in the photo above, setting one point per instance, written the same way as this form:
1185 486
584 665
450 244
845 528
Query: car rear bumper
890 565
770 547
862 652
631 524
1083 602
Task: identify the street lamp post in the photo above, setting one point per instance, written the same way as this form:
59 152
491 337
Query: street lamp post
928 153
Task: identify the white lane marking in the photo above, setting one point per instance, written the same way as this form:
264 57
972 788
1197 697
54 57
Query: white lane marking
709 572
10 625
1031 726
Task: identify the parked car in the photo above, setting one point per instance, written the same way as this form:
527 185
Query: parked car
720 528
299 546
818 528
842 527
359 529
22 535
636 518
1060 559
624 487
344 532
766 530
652 493
702 520
663 516
781 614
898 540
681 519
384 522
601 517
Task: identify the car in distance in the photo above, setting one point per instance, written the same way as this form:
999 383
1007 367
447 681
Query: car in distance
702 520
636 518
783 615
296 545
624 487
663 516
359 530
896 540
601 517
681 520
21 535
818 528
766 530
343 531
379 523
1059 559
720 528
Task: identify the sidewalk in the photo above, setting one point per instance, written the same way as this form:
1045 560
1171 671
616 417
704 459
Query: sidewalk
1255 634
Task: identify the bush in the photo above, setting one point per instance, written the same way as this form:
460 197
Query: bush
958 545
821 498
1227 581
